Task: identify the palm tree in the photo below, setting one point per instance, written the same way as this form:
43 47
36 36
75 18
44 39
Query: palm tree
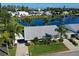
6 38
9 29
62 32
13 28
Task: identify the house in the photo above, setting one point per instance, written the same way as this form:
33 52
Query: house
37 12
48 13
65 12
31 32
19 13
73 29
22 13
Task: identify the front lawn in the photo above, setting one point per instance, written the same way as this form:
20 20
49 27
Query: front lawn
44 49
12 51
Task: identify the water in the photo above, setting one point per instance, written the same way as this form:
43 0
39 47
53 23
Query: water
57 21
37 22
66 20
23 23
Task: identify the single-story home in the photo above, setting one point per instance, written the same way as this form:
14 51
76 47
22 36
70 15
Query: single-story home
19 13
22 13
31 32
65 12
73 29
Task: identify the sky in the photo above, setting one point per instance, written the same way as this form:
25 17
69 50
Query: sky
44 5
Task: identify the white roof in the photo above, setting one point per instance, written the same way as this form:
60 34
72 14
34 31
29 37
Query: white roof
38 31
24 13
75 27
65 12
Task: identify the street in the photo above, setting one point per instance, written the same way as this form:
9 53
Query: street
73 53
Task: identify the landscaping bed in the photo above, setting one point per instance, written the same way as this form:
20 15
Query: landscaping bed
44 49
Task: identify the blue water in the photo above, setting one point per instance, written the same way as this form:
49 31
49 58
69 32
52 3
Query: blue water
37 22
57 21
22 23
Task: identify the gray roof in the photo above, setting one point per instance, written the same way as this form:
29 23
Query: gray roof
38 31
73 27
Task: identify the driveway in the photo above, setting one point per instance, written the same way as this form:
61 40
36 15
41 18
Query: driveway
21 50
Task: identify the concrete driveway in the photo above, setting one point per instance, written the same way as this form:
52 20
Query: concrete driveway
21 50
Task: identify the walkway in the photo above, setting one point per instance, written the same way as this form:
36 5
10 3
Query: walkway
22 50
68 44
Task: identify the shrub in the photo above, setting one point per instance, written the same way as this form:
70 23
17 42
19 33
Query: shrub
10 47
27 44
77 38
60 40
54 41
73 42
35 40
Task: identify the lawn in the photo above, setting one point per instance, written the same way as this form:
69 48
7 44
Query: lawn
44 49
12 51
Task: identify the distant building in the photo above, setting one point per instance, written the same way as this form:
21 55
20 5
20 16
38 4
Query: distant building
22 13
38 12
65 12
19 13
73 29
48 13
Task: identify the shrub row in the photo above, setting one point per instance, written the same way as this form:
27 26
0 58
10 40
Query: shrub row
73 42
77 38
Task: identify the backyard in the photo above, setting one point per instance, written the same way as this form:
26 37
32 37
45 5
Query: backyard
45 49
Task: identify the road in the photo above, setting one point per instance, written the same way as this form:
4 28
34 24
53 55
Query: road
73 53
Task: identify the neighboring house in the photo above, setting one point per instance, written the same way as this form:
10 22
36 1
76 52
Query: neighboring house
39 31
55 12
65 12
22 13
48 13
73 29
38 12
19 13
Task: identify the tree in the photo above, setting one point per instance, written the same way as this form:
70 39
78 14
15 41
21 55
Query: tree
62 32
27 19
6 38
9 29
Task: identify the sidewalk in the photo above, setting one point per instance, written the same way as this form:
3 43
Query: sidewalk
69 45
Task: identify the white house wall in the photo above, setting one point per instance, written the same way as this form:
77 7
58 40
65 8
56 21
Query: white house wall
38 31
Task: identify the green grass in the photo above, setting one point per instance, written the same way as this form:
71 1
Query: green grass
44 49
12 51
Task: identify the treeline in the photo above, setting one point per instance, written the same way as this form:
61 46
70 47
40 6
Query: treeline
71 10
53 10
14 8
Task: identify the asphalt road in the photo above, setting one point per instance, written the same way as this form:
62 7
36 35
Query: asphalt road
73 53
